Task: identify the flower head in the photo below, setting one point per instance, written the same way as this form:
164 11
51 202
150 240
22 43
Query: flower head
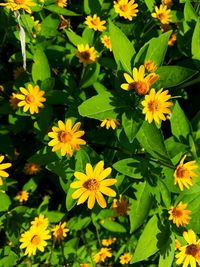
59 231
92 184
31 98
33 239
121 205
156 104
14 101
15 5
150 66
31 168
110 123
189 254
138 82
105 39
66 137
125 258
102 255
40 221
167 2
94 22
162 14
179 214
108 242
3 167
84 264
126 8
64 23
22 196
184 173
172 39
61 3
86 54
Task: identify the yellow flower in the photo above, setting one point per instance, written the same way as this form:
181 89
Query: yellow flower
1 88
34 239
172 39
61 3
150 66
66 138
156 105
106 42
110 123
92 184
37 24
121 205
31 98
22 196
177 244
126 8
59 231
108 242
184 173
31 168
3 166
102 255
190 254
95 23
167 2
84 264
40 222
179 214
138 82
15 5
14 101
125 258
162 14
86 54
19 71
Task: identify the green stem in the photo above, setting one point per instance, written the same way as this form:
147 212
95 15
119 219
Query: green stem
197 80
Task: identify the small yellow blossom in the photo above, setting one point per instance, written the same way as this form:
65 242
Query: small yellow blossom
94 22
125 258
22 196
184 173
40 221
121 205
126 8
59 231
150 66
108 242
14 101
172 39
162 14
61 3
15 5
84 265
102 255
179 214
31 168
106 42
177 244
3 167
86 54
110 123
167 2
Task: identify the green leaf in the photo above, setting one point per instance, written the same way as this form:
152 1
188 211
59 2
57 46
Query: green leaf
180 124
150 4
70 202
49 26
133 167
9 260
171 76
141 206
123 51
91 7
5 201
189 12
151 139
40 67
131 123
102 106
148 243
71 246
74 38
196 44
167 252
90 76
78 223
61 11
81 159
165 194
54 216
113 226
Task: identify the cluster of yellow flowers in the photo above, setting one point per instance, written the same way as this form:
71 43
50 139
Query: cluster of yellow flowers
35 237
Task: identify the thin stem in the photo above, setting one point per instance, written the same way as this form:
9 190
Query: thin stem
197 80
63 255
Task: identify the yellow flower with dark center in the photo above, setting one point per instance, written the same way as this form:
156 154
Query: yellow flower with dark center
15 5
162 14
121 205
92 184
31 168
61 3
94 22
150 66
190 254
3 167
156 104
31 98
125 258
40 222
106 42
59 231
172 39
179 214
113 123
14 101
184 173
108 242
102 255
86 54
33 239
126 8
22 196
66 137
138 81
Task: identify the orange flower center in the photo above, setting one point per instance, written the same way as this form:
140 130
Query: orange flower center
141 88
91 184
177 213
29 99
64 137
19 2
85 55
182 172
193 250
95 22
59 232
35 240
153 105
124 8
162 16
